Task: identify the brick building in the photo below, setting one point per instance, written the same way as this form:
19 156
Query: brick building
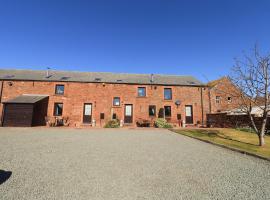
223 95
28 96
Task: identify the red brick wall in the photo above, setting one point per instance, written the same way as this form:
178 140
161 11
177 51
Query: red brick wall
222 120
224 88
101 97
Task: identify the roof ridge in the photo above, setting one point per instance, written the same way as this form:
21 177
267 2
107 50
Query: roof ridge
110 77
76 71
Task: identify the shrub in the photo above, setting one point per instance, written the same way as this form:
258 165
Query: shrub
115 123
162 123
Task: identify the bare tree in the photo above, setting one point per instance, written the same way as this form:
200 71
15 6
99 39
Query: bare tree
251 76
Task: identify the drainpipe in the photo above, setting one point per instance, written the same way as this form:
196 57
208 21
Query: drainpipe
209 97
1 93
202 105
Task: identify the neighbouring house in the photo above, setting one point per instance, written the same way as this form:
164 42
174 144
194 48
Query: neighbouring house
223 95
226 108
257 111
28 97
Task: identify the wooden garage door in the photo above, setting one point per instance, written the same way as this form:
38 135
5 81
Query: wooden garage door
18 115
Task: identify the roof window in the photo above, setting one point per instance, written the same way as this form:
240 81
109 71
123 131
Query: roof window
65 78
9 76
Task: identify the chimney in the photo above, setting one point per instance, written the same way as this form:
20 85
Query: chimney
48 72
152 78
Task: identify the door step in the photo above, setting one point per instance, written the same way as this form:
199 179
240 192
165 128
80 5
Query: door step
128 125
86 125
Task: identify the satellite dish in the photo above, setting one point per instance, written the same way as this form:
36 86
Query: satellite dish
177 102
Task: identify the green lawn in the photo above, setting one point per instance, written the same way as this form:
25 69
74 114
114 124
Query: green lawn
232 138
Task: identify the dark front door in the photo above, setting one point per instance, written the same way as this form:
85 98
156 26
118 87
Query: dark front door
128 113
87 113
189 114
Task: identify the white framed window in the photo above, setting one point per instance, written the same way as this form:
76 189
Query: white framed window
59 89
116 101
167 111
58 109
168 93
229 99
217 99
152 110
141 91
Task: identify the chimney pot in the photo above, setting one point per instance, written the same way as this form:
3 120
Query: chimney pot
152 78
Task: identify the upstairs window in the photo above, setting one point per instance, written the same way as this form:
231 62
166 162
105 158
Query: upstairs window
229 99
168 93
59 89
152 110
141 92
218 99
116 101
167 111
58 109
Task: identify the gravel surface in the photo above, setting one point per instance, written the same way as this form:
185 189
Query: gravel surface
53 163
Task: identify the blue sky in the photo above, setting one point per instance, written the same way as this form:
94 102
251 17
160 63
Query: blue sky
194 37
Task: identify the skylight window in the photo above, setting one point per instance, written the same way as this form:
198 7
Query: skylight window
97 79
49 76
9 76
65 78
191 82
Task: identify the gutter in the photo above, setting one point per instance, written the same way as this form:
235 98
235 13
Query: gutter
107 82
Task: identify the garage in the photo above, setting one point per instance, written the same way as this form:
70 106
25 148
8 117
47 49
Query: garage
25 111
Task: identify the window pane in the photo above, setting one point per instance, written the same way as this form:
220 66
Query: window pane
58 109
167 93
217 99
87 109
116 101
152 110
188 111
167 111
59 89
141 92
128 111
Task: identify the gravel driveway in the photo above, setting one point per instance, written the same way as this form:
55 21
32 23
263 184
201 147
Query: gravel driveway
53 163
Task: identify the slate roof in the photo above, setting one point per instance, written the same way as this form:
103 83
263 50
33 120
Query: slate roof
27 99
217 81
103 77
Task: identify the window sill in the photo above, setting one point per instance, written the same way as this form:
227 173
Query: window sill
141 97
168 100
61 95
116 106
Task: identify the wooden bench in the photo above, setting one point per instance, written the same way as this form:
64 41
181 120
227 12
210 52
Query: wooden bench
143 123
